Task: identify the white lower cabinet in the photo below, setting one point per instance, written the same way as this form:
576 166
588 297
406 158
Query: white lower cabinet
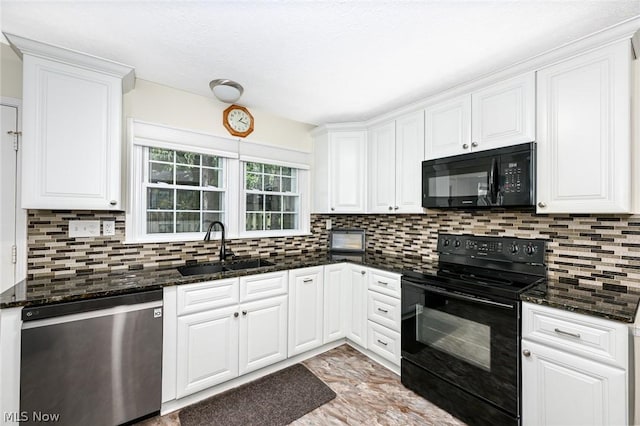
306 292
383 314
337 301
384 342
357 323
574 369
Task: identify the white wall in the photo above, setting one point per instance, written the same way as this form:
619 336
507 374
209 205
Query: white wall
160 104
10 73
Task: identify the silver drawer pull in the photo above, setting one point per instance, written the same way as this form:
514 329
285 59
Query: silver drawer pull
382 343
566 333
308 280
383 310
383 283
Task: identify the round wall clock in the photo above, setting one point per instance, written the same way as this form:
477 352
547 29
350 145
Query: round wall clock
238 121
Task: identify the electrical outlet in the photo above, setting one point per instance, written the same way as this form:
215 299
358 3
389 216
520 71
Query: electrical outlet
328 225
108 228
84 228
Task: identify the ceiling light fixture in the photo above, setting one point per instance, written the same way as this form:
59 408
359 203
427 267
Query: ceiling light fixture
226 90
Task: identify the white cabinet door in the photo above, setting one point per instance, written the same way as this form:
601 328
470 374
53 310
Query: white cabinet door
263 333
408 162
564 389
72 137
357 325
336 302
305 309
347 171
448 128
583 121
207 349
504 113
382 168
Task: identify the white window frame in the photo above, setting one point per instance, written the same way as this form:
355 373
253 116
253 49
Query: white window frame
304 193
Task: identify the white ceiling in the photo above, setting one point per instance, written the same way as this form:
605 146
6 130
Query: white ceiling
314 61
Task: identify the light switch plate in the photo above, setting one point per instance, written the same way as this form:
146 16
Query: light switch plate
108 228
84 228
328 225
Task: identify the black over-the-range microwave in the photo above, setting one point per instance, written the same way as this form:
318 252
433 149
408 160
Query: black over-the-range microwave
502 177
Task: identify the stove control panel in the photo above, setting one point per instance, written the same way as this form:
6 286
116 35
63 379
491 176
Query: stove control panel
505 249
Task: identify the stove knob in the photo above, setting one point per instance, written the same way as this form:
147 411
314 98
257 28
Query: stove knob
457 243
530 250
514 248
446 243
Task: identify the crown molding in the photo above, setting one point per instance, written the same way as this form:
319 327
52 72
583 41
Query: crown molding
27 46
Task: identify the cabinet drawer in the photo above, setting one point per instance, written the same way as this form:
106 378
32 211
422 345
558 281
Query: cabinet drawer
256 287
384 342
208 295
595 338
384 282
384 310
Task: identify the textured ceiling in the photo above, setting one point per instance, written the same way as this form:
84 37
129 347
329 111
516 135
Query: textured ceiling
314 61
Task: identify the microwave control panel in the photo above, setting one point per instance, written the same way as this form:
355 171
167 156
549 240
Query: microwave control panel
514 179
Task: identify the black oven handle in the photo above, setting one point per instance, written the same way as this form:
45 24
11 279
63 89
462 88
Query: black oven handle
462 296
493 185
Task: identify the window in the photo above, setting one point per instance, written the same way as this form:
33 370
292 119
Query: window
184 191
272 199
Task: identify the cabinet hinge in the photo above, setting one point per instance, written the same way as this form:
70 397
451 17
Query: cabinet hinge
15 134
14 254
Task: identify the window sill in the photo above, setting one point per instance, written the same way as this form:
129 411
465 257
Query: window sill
214 236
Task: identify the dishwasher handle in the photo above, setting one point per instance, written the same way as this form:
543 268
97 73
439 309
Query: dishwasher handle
88 305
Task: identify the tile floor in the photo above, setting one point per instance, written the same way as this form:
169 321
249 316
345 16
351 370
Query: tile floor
367 394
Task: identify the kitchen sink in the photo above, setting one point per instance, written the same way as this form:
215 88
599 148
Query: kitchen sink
206 268
247 264
212 268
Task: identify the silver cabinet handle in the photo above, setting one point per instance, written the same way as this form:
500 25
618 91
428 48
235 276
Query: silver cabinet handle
307 280
541 204
465 146
383 310
382 282
396 208
113 202
244 312
382 343
333 209
235 314
566 333
363 272
474 144
526 352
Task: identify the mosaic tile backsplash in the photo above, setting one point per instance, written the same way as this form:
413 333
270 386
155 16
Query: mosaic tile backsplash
593 249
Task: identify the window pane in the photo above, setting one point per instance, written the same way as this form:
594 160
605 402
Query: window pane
287 171
159 199
254 181
212 200
188 158
211 177
289 221
287 184
254 222
208 160
186 175
254 167
270 168
272 183
289 204
161 154
273 221
255 202
159 222
187 222
273 203
160 172
187 200
207 218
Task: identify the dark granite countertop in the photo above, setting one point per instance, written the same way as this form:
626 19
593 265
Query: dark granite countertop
66 288
615 304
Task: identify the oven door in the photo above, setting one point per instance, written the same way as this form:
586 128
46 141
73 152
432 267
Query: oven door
470 181
468 341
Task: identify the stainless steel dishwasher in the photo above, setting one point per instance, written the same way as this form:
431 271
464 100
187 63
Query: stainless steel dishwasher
92 362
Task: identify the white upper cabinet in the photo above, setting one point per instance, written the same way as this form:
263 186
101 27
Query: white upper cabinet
499 115
340 172
72 130
584 147
448 128
396 150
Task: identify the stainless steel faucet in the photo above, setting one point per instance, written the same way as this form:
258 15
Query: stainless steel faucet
207 237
